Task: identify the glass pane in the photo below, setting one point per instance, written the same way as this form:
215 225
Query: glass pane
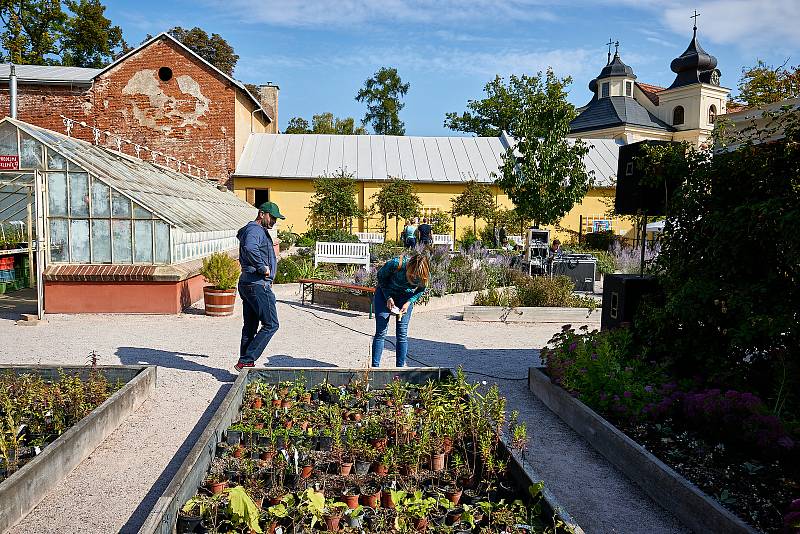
55 160
58 240
141 213
31 153
143 239
8 140
101 241
75 168
78 194
79 241
122 241
57 193
121 206
162 242
101 199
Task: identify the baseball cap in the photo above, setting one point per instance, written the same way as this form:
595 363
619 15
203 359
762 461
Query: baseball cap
272 209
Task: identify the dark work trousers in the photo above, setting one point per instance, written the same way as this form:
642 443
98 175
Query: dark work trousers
258 306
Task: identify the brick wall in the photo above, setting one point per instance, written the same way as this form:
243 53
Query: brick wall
42 104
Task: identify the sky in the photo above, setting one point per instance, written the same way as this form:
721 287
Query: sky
320 52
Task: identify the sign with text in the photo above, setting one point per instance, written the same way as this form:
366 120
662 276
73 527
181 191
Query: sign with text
9 163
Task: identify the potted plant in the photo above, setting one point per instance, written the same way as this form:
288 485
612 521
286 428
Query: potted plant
416 507
222 273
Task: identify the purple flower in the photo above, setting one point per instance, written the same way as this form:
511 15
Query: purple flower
629 369
648 389
627 394
594 356
583 371
603 396
616 397
572 347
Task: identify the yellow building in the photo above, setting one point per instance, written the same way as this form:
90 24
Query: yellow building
281 168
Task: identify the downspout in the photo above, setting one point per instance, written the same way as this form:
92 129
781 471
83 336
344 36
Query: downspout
12 92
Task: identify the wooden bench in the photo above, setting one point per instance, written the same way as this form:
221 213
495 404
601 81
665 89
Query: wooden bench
443 239
370 237
357 253
313 282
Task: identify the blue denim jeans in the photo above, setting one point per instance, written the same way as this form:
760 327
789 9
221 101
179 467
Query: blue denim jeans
258 306
382 317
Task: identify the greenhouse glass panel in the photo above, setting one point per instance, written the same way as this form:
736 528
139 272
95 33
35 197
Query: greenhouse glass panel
120 205
101 199
55 161
79 241
78 194
31 153
57 193
162 242
141 213
8 140
101 241
58 240
143 241
121 235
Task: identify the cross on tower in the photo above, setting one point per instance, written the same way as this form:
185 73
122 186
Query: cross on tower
616 48
609 43
696 14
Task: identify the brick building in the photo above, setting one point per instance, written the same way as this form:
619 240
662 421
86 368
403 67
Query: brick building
161 96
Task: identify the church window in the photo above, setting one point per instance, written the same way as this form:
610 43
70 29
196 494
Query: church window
677 115
628 88
605 90
165 74
712 114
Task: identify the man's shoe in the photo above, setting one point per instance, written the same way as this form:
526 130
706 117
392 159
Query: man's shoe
240 365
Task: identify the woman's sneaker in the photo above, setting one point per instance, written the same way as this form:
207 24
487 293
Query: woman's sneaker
240 365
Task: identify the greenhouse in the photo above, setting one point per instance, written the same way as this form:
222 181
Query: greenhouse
111 222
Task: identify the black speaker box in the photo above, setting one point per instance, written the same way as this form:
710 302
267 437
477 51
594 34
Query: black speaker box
580 268
622 294
632 197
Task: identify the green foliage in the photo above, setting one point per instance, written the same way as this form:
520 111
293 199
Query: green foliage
599 240
490 116
293 268
543 172
606 263
764 84
220 270
334 202
538 291
324 123
441 222
512 219
396 198
385 251
243 511
604 369
476 201
382 94
287 238
469 239
47 32
214 48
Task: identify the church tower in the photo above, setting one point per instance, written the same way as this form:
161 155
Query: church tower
695 99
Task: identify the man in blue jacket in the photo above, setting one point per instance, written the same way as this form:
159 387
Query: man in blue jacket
258 261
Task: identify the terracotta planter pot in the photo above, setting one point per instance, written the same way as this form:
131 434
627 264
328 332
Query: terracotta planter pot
306 398
386 500
437 461
345 468
276 403
379 444
238 452
267 456
420 524
447 445
306 471
257 403
276 500
258 426
408 470
286 403
380 469
454 496
351 501
304 426
217 488
219 302
287 424
370 501
332 523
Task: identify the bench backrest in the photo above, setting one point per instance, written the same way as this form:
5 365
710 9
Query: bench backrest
443 239
370 237
341 253
517 239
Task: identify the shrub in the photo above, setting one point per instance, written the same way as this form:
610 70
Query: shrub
288 270
599 240
546 291
220 270
469 239
497 297
382 252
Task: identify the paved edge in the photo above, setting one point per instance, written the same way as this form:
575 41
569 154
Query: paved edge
663 484
22 491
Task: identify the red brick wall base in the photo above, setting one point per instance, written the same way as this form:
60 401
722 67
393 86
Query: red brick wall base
122 297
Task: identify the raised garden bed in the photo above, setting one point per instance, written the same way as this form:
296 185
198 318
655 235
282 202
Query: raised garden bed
668 488
300 450
522 314
343 300
52 419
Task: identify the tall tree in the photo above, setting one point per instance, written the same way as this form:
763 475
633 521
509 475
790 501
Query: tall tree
325 123
382 94
489 116
42 32
396 198
764 84
543 172
297 125
333 203
213 49
476 201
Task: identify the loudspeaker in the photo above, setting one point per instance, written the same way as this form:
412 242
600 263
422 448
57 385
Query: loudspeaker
622 294
632 197
580 268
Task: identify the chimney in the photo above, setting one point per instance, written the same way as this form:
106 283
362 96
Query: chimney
268 96
12 92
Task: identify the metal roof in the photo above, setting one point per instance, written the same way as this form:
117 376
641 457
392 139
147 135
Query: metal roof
48 74
189 203
613 111
379 157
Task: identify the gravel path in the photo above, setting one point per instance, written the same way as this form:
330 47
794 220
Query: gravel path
114 488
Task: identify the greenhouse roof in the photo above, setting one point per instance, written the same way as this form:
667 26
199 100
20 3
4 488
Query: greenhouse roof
187 202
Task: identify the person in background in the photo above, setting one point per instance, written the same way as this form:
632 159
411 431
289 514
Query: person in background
401 282
425 232
555 248
258 261
409 234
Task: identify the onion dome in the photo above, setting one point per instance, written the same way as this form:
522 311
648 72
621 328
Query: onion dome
616 68
695 65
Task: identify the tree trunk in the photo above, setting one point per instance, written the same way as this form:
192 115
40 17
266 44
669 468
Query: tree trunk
396 221
475 226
